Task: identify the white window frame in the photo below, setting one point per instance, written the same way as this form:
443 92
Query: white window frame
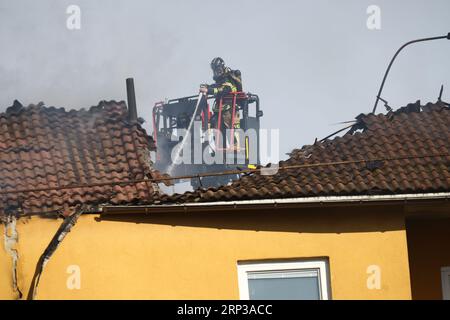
445 278
321 265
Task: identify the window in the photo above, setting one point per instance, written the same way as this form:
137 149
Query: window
292 280
445 276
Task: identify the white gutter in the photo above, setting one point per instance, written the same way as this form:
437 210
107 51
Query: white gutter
311 201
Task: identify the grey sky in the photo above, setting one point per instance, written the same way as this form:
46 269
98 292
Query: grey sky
313 63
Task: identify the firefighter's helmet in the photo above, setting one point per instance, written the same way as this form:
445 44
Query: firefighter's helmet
218 67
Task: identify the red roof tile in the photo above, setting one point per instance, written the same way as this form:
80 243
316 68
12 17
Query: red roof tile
43 147
417 139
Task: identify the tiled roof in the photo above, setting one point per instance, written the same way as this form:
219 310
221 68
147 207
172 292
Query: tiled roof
45 147
418 137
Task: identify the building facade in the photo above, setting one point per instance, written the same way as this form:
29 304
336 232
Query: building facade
363 216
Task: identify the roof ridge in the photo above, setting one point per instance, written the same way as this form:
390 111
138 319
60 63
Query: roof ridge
17 108
45 147
411 108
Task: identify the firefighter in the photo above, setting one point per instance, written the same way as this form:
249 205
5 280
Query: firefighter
227 111
226 81
227 117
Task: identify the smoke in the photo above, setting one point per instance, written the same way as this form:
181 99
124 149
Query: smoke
311 62
43 60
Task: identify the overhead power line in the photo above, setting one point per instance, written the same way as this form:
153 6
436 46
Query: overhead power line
229 172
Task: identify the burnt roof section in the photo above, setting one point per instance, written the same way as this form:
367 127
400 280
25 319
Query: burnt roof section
50 148
418 137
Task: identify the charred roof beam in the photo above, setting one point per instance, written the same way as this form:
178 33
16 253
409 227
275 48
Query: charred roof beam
395 56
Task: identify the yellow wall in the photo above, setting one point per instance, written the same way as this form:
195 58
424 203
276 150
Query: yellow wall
428 240
5 270
194 256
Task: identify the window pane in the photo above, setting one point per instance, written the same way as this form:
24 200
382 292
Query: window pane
288 285
283 274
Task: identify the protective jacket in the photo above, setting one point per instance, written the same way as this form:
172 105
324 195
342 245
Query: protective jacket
230 81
